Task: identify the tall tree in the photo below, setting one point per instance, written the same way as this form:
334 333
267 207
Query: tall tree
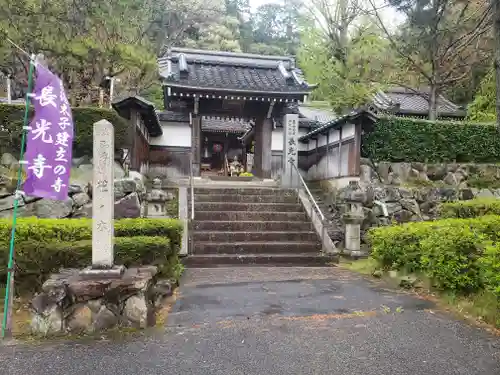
496 31
335 19
441 40
348 82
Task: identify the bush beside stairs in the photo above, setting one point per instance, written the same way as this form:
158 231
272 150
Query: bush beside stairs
252 226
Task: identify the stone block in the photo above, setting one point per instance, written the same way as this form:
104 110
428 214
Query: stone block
128 207
80 320
51 322
136 311
124 186
485 193
7 203
450 179
104 319
48 208
80 199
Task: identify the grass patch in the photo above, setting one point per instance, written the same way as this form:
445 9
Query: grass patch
364 266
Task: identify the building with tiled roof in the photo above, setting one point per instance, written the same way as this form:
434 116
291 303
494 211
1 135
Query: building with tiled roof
221 105
402 101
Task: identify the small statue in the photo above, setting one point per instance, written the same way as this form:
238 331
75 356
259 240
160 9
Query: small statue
235 167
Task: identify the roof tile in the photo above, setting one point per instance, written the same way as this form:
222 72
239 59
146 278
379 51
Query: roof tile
231 71
402 100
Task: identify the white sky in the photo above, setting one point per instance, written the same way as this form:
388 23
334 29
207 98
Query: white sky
389 15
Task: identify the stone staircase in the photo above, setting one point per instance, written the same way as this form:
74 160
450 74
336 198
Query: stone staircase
252 226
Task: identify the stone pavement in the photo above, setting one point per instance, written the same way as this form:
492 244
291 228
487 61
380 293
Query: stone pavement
279 321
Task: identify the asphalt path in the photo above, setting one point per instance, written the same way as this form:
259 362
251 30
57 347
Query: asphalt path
229 321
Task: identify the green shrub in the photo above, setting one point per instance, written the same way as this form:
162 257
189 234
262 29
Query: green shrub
471 208
489 265
398 247
36 260
449 257
445 250
11 118
67 230
246 174
399 139
45 245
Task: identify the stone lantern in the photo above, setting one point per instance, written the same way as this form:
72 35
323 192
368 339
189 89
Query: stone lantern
352 218
156 203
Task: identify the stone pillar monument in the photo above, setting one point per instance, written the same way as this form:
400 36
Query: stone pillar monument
353 217
103 196
289 177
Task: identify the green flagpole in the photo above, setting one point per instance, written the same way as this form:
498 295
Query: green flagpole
9 290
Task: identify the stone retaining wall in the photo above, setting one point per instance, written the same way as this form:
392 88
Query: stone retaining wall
71 303
451 174
409 192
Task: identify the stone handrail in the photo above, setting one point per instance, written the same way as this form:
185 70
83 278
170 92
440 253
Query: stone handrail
311 198
191 185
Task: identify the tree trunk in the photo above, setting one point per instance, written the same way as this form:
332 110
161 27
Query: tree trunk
433 102
496 31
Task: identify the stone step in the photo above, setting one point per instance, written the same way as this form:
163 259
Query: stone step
247 207
259 236
246 198
251 226
278 260
249 216
256 247
245 191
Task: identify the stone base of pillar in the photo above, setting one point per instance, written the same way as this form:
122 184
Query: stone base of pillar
70 303
355 254
100 272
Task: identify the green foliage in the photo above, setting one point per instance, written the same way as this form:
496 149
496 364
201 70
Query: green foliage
489 265
348 82
413 140
222 36
483 106
449 257
11 119
471 208
246 174
447 251
45 245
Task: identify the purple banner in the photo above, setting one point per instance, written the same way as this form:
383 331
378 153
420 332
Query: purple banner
49 140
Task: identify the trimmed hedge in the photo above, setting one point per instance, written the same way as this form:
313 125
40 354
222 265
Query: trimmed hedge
35 261
471 208
11 118
448 251
44 246
69 230
396 139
